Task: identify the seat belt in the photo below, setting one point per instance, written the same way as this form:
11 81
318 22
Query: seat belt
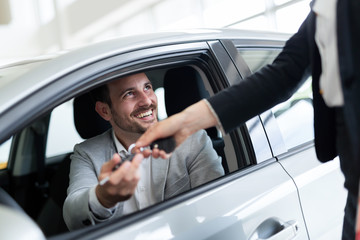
39 135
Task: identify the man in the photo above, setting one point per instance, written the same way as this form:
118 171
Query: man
130 105
326 46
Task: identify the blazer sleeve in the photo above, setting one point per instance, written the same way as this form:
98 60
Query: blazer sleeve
203 162
267 87
86 163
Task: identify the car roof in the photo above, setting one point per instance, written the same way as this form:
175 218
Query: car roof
47 68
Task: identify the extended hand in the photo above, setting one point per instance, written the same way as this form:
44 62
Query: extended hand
122 182
180 126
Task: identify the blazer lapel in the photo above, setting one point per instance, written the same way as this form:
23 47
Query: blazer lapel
159 171
344 41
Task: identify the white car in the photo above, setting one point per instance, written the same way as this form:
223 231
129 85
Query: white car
273 188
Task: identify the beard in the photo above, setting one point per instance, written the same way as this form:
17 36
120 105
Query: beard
128 124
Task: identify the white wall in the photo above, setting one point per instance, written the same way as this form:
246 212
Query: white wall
37 27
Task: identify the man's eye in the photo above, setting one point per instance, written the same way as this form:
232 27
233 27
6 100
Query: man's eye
148 87
128 94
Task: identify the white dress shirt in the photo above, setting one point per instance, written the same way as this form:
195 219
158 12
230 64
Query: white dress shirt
326 40
143 196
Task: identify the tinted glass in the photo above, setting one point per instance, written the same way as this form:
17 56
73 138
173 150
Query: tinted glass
295 116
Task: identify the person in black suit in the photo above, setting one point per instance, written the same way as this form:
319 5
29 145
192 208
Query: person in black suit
325 47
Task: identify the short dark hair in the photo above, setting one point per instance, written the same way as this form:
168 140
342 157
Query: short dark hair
101 94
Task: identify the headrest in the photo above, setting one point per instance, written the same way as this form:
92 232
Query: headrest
88 122
183 87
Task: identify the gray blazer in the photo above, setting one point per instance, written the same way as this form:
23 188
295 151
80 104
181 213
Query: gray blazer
193 163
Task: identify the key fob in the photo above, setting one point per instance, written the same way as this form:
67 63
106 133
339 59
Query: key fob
127 158
166 144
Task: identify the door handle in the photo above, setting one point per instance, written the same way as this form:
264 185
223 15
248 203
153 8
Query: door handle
275 229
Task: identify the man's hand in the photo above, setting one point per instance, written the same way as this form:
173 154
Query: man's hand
122 182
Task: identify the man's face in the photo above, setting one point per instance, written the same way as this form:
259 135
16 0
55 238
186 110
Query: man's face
134 104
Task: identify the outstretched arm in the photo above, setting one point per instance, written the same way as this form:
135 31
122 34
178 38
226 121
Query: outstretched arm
180 126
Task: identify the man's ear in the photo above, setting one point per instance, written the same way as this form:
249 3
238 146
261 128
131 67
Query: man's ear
103 110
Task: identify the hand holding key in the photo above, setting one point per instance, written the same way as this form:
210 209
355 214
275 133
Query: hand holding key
119 185
119 177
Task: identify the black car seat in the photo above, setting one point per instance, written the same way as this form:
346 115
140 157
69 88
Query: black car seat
8 201
183 86
88 124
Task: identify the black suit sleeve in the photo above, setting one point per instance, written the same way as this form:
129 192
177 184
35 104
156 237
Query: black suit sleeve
267 87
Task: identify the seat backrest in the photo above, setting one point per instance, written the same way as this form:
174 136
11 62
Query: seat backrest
88 122
7 200
183 87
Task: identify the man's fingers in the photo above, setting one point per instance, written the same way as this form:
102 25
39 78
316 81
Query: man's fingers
146 153
127 170
108 166
158 153
164 155
137 160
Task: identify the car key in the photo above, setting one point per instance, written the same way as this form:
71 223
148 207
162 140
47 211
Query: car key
126 158
167 144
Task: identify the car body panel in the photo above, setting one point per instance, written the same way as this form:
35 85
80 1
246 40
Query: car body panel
324 180
237 210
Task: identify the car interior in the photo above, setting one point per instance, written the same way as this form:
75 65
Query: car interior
37 184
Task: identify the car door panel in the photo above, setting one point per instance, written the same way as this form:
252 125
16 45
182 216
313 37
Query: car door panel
231 211
320 185
267 119
321 192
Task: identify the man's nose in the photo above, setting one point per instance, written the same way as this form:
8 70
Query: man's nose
144 99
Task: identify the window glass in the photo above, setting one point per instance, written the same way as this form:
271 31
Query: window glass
62 134
4 153
257 58
295 116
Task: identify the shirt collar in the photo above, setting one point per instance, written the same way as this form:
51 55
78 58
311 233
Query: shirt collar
119 147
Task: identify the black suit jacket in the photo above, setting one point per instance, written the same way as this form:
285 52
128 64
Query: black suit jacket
300 57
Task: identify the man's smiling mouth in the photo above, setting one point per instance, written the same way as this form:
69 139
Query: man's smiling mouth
144 114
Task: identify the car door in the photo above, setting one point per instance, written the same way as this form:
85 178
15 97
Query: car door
289 127
320 185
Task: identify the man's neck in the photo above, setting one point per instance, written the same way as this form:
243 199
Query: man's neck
127 139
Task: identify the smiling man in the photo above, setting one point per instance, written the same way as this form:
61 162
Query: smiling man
130 105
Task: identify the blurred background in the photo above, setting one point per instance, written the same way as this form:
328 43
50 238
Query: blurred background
39 27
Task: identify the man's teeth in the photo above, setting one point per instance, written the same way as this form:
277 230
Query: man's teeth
145 114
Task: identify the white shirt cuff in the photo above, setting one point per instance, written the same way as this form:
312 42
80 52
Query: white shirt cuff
218 125
97 209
